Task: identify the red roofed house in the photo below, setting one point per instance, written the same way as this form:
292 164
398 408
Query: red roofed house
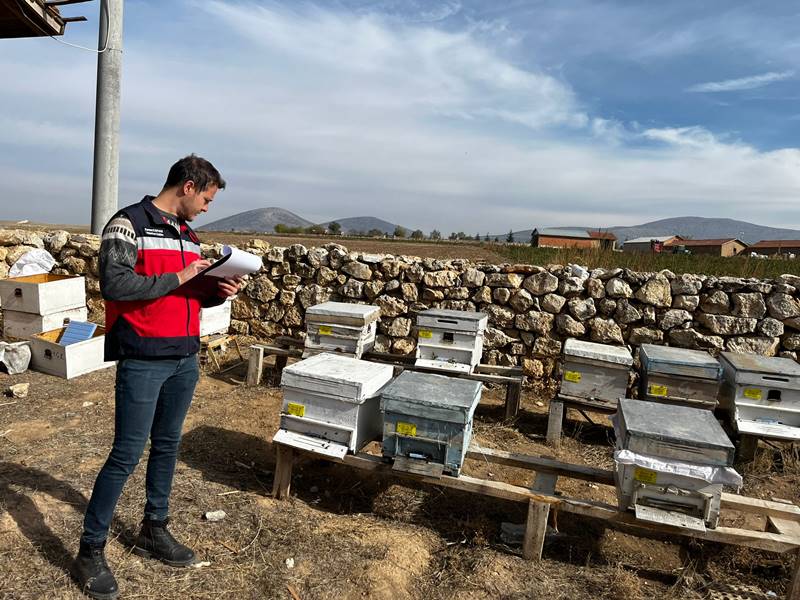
721 247
777 247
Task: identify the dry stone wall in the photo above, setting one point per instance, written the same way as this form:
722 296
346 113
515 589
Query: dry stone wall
531 309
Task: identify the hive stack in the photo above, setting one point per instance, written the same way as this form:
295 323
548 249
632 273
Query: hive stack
37 303
341 327
671 463
331 404
679 376
427 422
450 340
762 395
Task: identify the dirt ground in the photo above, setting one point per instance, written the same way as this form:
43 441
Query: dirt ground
350 535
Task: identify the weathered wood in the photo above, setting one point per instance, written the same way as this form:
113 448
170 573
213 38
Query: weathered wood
784 526
542 464
746 452
555 421
280 364
513 395
545 483
284 463
789 512
793 591
498 370
535 530
289 342
255 364
601 406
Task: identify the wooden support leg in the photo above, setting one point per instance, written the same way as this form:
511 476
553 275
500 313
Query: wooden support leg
535 530
255 365
513 394
280 363
793 591
283 472
747 449
555 421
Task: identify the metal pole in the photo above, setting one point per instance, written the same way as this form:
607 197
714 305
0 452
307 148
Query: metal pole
105 183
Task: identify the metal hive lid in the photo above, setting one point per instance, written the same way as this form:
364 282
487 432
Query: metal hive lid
602 352
679 361
767 365
459 315
428 389
337 375
694 427
367 312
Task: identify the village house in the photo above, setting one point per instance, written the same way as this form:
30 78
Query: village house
777 247
650 243
573 237
720 247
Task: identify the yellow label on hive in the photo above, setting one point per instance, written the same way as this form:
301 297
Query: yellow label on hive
325 330
572 376
298 410
753 393
406 428
425 333
657 390
645 475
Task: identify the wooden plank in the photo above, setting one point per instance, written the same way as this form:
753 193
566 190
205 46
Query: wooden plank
498 370
601 406
284 463
555 421
513 396
542 464
255 365
289 342
761 507
535 530
793 591
545 483
784 526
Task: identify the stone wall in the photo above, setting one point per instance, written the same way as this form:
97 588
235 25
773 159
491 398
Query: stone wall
531 309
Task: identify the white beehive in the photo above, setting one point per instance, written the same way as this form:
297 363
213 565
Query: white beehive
23 325
43 294
49 356
341 327
595 371
450 340
762 395
672 462
216 319
331 403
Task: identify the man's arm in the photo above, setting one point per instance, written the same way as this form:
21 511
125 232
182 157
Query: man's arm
118 280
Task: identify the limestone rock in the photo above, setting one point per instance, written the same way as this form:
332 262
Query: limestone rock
262 289
687 285
537 321
409 290
626 313
405 345
532 367
645 335
501 295
326 276
724 325
581 308
649 315
499 315
440 279
792 341
383 343
287 297
11 237
353 289
656 292
276 254
570 286
568 326
606 307
674 318
357 270
291 281
391 268
429 295
373 288
765 346
296 251
618 288
770 327
782 306
691 338
55 241
605 331
414 273
684 302
472 278
483 295
547 346
399 327
495 338
504 280
75 265
596 288
521 301
540 284
391 307
716 303
553 303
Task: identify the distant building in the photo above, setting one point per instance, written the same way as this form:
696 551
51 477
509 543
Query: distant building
651 243
721 247
573 237
776 247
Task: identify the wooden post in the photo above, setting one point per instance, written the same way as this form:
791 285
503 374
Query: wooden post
513 394
255 365
555 422
793 591
283 472
535 530
748 444
280 363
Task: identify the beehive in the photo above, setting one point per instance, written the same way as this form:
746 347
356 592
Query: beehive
450 340
679 376
341 327
595 371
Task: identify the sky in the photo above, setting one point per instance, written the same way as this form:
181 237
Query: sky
459 115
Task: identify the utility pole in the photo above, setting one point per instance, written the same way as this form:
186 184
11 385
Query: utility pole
105 182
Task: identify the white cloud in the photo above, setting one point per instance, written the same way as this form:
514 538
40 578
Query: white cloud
742 83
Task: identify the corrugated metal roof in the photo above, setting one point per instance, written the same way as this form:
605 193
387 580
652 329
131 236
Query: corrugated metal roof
570 232
777 244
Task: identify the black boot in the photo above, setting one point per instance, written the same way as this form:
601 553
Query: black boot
91 570
155 541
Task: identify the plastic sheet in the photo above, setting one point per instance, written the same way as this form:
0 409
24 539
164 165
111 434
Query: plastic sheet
15 356
33 262
711 474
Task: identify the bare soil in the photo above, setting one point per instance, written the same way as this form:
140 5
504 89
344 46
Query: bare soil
350 535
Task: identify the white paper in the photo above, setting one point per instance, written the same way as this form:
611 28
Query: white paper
234 262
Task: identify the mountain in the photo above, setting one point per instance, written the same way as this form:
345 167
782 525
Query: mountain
688 227
259 220
364 224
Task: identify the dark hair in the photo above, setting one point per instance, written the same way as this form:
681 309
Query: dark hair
196 169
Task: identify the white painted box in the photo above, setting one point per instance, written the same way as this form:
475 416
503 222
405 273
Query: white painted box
23 326
216 319
341 327
48 356
43 294
450 340
331 404
595 371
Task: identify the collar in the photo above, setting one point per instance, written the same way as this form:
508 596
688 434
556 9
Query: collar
156 218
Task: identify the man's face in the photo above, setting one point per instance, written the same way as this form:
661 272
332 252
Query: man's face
194 202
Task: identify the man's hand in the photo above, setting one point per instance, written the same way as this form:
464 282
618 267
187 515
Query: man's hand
192 269
229 286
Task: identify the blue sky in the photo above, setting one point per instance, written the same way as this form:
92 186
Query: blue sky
456 115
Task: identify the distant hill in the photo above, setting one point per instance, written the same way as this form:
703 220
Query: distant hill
259 220
688 227
364 224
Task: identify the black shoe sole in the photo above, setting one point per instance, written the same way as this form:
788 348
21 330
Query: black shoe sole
92 594
172 563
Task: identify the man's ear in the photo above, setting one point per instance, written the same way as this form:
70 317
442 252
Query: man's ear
188 187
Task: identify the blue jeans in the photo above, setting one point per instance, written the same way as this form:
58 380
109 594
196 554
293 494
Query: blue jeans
152 398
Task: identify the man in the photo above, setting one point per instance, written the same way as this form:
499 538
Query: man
149 262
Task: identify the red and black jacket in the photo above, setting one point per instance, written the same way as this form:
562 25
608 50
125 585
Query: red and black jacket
167 326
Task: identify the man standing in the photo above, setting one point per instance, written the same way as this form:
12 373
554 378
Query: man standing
149 258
